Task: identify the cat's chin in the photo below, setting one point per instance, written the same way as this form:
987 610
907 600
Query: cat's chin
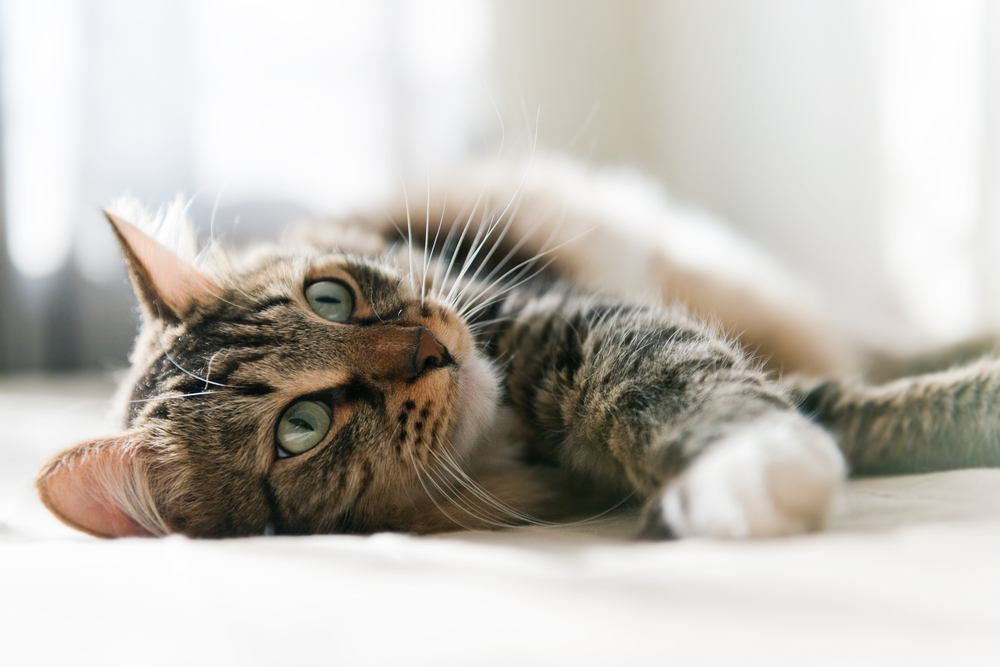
477 395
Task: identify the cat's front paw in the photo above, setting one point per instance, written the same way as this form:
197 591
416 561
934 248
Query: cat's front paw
774 476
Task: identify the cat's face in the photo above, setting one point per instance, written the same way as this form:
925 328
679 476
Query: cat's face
300 394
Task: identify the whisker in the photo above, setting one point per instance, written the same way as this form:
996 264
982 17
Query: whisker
524 239
465 504
448 463
208 369
522 264
196 377
409 232
489 279
172 398
496 244
503 212
427 233
522 517
419 471
461 238
481 232
503 292
437 233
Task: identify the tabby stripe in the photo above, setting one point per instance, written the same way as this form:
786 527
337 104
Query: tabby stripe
233 364
267 304
254 389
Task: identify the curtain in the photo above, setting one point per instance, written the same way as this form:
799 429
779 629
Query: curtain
858 140
258 111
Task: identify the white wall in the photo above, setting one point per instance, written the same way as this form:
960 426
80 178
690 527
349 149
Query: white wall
843 135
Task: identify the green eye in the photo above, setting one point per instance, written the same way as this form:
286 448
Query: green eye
303 426
331 300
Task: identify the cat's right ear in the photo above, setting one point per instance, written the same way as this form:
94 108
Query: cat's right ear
167 286
100 487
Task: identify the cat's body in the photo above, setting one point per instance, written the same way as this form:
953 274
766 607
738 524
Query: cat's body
537 346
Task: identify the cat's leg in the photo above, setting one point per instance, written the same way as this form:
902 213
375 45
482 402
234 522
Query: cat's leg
935 421
651 400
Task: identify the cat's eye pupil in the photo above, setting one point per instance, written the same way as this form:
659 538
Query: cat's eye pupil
302 426
301 423
330 299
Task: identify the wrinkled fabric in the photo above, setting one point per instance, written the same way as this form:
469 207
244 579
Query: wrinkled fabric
908 573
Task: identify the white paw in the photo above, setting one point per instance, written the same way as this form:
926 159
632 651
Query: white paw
775 476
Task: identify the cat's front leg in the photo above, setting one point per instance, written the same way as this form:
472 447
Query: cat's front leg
649 399
776 475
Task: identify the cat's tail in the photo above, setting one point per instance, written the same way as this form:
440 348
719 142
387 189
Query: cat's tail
883 365
936 420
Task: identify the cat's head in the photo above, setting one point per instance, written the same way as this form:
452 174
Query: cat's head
303 390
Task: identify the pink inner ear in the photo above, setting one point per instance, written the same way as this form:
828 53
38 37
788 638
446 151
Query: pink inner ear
82 486
175 282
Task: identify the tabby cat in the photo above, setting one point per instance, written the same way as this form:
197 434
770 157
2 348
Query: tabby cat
533 344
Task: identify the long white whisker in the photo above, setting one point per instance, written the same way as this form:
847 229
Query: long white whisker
427 234
465 229
466 504
451 499
481 231
449 463
530 260
440 272
215 210
523 517
437 233
409 232
489 280
420 478
196 377
172 398
503 129
496 296
500 217
208 370
460 299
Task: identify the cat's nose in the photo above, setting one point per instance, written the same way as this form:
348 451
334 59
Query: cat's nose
395 352
428 353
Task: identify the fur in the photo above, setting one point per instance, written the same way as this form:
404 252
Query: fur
602 347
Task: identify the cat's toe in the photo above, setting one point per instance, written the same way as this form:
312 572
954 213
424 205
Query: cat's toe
775 476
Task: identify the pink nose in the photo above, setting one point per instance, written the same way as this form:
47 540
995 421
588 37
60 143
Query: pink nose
428 353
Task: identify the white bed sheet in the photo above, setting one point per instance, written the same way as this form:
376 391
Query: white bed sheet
909 573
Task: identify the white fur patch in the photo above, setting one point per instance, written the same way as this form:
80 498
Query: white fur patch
776 476
478 396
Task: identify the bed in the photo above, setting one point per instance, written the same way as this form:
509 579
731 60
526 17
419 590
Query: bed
908 573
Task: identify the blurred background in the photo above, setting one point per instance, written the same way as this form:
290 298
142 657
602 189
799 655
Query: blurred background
858 140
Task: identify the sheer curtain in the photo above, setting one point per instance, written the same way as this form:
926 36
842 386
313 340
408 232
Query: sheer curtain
258 110
859 140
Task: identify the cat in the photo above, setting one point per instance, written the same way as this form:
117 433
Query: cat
533 343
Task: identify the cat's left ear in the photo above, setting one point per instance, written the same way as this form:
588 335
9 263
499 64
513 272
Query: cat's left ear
167 286
100 487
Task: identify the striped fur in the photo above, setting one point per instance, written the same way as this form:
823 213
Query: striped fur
593 368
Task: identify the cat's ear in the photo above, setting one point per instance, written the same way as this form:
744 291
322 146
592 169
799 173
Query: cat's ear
167 286
99 486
